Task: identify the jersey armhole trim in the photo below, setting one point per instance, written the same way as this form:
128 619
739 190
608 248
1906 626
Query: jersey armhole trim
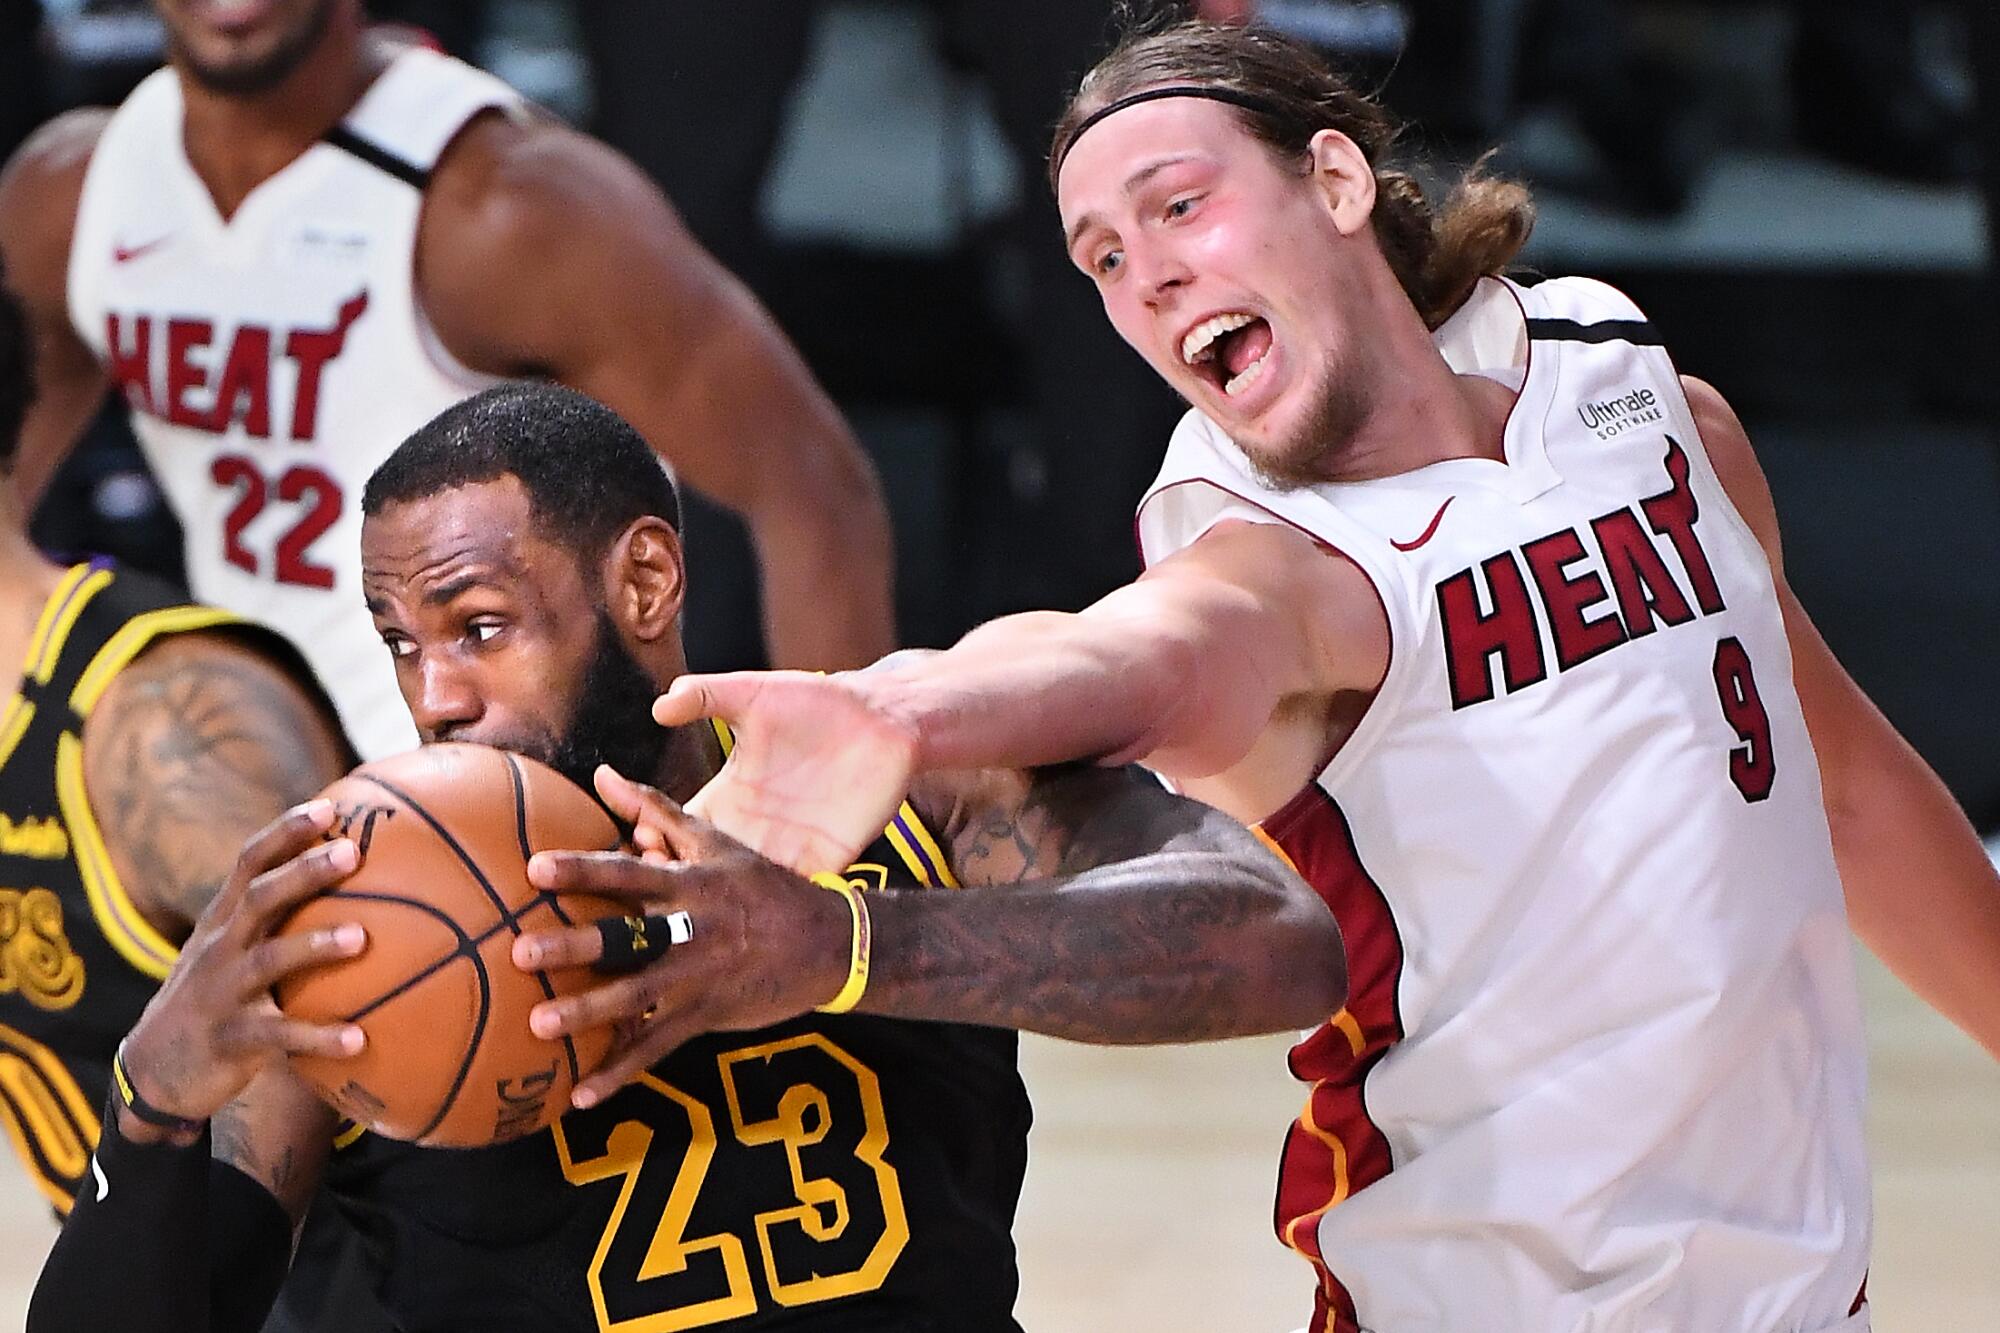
919 850
131 639
906 832
117 916
1697 451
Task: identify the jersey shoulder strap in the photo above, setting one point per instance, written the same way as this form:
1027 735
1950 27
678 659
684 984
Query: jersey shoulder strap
907 835
416 107
127 613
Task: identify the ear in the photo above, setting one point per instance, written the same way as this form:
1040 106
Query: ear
645 579
1345 179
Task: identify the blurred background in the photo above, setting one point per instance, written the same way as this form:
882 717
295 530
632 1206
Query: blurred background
1797 190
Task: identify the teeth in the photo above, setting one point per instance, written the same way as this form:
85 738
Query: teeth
1195 347
1247 377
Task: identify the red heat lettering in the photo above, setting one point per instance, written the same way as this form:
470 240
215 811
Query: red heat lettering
312 349
1566 599
246 376
1672 514
1472 636
131 369
184 377
1645 587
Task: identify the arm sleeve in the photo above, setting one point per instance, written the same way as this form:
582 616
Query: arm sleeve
163 1239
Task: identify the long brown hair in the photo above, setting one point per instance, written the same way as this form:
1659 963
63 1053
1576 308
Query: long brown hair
1437 252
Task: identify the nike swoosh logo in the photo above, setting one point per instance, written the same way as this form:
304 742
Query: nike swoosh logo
1428 532
121 255
103 1185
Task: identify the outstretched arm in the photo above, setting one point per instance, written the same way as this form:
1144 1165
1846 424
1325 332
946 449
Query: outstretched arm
1097 907
1109 911
1920 889
1183 669
607 292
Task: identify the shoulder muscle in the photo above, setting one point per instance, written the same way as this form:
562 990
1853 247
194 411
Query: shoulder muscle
577 230
1735 463
39 192
196 745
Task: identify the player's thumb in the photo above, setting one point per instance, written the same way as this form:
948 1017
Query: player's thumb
691 698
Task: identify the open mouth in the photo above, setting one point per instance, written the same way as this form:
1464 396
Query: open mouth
1228 350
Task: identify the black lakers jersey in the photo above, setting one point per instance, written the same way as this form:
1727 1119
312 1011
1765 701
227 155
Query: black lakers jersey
77 961
835 1173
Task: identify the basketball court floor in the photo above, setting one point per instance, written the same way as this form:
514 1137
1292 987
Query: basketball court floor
1150 1179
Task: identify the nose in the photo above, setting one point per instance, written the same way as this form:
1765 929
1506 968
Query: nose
1157 271
443 697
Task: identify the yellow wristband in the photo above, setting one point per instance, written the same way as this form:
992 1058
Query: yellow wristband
857 965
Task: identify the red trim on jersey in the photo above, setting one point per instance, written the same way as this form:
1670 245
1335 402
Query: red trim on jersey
1334 1149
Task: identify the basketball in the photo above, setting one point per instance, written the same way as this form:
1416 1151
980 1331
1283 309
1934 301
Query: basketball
445 833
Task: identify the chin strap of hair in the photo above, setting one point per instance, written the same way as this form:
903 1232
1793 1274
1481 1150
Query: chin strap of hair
857 960
1248 101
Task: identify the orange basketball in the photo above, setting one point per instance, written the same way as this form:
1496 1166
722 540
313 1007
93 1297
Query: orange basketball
445 833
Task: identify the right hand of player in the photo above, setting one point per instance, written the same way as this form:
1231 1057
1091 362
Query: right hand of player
818 769
213 1024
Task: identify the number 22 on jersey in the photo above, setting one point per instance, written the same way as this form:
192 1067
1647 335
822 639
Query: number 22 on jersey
803 1101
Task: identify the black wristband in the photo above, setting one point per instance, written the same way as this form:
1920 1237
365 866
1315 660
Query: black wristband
128 1096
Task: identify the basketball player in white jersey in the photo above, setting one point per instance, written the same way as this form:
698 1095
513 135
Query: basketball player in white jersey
302 240
1476 607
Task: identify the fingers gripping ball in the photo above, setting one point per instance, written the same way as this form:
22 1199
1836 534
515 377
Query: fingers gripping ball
445 833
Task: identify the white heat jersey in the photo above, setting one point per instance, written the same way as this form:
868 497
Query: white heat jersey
1601 1070
273 360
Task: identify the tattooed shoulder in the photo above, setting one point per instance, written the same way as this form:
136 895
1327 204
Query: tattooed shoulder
1011 826
196 745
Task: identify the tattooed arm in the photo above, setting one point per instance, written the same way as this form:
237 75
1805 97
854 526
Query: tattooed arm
1098 907
196 745
1110 911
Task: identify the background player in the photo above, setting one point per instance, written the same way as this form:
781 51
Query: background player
301 241
143 740
1572 820
531 602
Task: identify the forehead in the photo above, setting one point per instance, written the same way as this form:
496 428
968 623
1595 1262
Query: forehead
489 524
1107 156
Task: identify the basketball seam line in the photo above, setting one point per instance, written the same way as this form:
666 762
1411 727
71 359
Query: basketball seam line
520 787
478 963
465 947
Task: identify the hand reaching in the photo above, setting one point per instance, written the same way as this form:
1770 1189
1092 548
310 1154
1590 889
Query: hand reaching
818 769
766 944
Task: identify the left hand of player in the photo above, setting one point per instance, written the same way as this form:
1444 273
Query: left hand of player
767 944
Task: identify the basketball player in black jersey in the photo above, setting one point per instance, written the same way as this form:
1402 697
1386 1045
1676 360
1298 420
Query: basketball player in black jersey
140 742
827 1171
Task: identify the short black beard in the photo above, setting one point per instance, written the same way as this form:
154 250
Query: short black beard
612 722
266 74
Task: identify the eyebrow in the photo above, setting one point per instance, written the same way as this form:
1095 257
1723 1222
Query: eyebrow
1131 187
441 593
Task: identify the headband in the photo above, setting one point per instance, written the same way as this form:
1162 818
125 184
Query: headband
1248 101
